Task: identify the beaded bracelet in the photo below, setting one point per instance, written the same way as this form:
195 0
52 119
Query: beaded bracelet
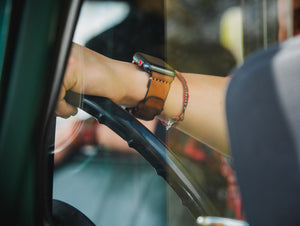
180 117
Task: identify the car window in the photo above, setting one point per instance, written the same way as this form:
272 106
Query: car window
95 170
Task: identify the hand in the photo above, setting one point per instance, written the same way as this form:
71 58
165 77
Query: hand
94 74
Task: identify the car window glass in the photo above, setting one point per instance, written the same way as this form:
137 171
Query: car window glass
95 170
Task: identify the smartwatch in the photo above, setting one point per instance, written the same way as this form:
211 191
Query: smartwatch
161 76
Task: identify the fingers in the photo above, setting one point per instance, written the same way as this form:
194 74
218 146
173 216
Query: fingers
65 110
71 81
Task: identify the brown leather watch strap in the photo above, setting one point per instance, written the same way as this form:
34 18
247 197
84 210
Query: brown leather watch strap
153 103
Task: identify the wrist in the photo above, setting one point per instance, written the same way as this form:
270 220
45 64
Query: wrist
160 76
173 107
95 74
135 83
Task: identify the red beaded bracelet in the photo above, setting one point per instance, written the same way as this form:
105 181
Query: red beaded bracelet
180 117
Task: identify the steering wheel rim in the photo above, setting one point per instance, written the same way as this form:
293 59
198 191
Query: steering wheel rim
150 147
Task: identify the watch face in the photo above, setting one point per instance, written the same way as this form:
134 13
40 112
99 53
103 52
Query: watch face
149 63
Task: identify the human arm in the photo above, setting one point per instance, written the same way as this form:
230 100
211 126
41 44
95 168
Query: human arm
204 117
92 73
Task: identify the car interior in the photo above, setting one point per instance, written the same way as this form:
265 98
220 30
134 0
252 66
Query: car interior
105 167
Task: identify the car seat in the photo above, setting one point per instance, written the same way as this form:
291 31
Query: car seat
263 115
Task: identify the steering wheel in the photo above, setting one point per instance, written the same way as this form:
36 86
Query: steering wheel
155 152
150 147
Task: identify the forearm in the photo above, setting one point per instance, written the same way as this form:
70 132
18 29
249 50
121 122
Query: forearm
94 74
205 114
99 75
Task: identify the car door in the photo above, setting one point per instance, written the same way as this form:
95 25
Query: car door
35 39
